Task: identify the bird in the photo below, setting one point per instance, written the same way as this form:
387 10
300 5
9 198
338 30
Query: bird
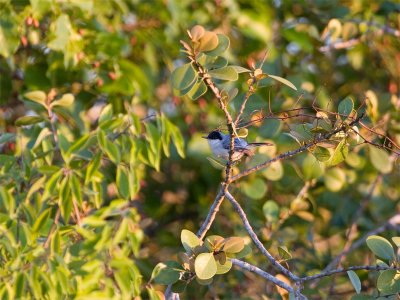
219 144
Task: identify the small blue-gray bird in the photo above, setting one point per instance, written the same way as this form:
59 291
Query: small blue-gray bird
219 144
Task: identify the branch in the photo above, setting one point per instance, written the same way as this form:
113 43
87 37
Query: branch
354 268
255 239
288 154
246 266
211 214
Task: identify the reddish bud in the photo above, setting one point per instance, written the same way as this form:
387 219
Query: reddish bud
112 75
24 41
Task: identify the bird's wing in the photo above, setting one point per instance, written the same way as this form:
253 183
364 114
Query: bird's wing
240 145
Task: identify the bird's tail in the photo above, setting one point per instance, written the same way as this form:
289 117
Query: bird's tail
260 144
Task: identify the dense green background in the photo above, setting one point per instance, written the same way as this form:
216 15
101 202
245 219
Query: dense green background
122 53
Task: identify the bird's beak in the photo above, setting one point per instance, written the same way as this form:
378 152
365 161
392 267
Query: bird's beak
204 137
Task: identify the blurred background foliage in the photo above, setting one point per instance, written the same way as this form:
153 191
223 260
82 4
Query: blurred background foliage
131 206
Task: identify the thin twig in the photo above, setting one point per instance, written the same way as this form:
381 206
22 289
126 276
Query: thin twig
303 148
354 268
246 266
255 239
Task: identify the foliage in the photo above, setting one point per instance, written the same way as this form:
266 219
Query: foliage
94 93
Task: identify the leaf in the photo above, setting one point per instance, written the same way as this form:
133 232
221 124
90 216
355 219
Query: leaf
223 268
178 140
198 90
255 189
166 273
283 80
65 201
37 96
209 41
355 281
223 45
240 69
78 145
245 251
183 76
396 240
197 32
233 244
205 266
189 240
123 182
76 188
339 154
389 282
271 211
380 159
345 107
92 167
225 73
284 253
62 31
335 179
7 137
41 220
214 242
65 101
28 120
321 154
381 247
179 286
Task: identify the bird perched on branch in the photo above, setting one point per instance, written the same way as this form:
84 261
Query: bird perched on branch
219 144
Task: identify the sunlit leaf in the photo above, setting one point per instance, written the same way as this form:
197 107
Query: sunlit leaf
380 159
37 96
183 76
189 240
65 101
205 266
28 120
223 45
233 244
381 247
355 281
284 81
209 41
226 73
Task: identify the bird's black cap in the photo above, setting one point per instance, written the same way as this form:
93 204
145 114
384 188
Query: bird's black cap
214 135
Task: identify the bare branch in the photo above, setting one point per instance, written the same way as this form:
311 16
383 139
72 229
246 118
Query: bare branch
251 268
255 239
288 154
354 268
211 214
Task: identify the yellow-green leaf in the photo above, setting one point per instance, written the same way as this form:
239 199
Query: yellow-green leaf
205 266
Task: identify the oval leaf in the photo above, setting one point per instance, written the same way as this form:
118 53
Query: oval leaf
226 73
223 44
222 269
37 96
197 32
28 120
345 107
189 240
183 76
284 81
381 247
380 160
355 281
65 101
197 90
233 244
205 266
208 42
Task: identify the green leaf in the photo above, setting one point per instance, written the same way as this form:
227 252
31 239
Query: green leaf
76 188
9 33
271 211
340 153
7 137
345 107
380 159
78 145
106 114
62 31
205 281
41 220
389 282
7 200
335 179
223 45
233 245
198 90
93 167
189 240
205 266
321 154
283 80
311 167
37 96
183 76
284 253
178 140
65 201
255 189
223 268
123 182
355 281
225 73
381 247
65 101
245 251
166 273
240 69
28 120
179 286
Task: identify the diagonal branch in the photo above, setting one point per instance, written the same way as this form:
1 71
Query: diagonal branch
251 268
255 239
303 148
